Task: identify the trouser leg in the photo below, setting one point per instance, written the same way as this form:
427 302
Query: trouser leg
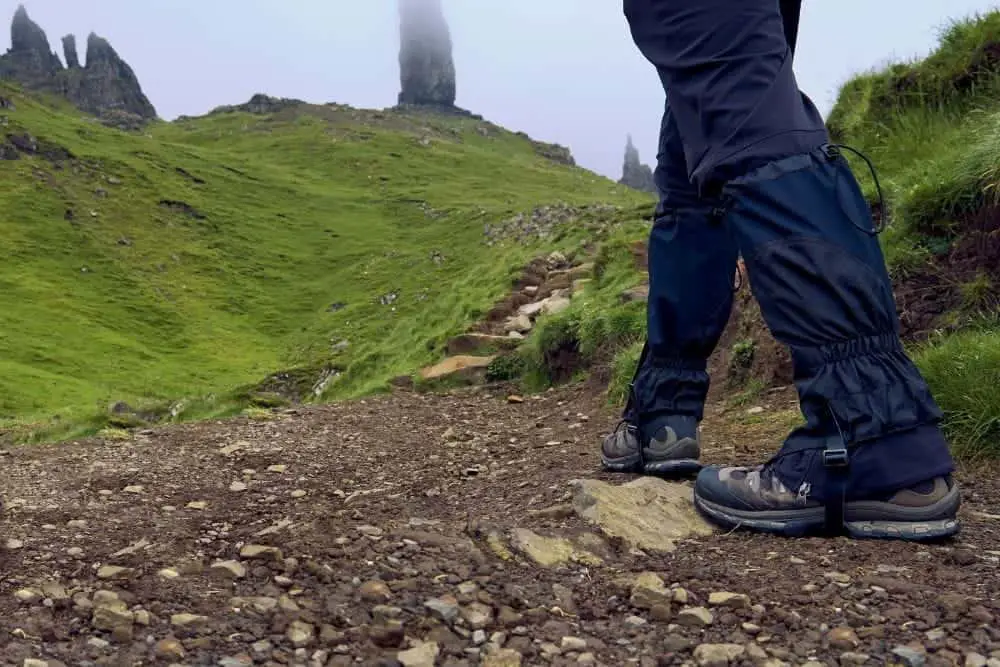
805 232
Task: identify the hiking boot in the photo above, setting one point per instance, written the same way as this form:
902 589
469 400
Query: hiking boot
755 499
673 449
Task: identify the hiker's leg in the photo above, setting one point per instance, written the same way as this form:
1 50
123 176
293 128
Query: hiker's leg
806 234
692 262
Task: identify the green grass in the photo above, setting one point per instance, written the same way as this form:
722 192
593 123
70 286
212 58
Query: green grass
183 265
963 370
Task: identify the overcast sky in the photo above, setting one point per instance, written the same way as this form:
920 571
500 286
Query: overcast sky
561 70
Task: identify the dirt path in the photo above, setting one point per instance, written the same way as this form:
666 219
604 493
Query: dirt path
395 522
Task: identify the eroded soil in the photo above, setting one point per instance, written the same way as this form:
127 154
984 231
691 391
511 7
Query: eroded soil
381 506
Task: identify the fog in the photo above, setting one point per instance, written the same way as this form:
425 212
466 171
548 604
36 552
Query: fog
564 71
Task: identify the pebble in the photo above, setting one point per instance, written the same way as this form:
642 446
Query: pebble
298 493
421 655
648 590
300 633
477 615
975 660
586 659
635 621
169 648
13 544
731 600
505 657
843 639
28 595
133 489
573 644
717 655
111 571
197 505
479 637
168 573
837 577
260 552
375 591
237 486
231 569
32 662
909 656
681 595
279 468
446 608
187 620
851 658
695 617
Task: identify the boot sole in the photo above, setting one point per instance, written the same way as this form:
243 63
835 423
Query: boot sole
634 464
864 520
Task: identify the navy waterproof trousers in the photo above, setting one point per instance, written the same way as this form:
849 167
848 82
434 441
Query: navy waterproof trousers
744 167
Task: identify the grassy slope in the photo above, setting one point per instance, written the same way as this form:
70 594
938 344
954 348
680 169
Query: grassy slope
932 129
130 300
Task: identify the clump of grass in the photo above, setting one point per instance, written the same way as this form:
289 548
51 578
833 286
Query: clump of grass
963 371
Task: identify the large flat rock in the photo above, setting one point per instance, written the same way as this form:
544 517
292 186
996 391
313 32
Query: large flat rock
649 513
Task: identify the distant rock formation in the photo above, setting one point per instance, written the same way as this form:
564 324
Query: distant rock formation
426 67
106 86
259 104
635 174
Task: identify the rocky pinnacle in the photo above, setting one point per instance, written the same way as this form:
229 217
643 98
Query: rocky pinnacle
427 70
635 174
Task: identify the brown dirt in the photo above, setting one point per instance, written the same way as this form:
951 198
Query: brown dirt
401 489
930 298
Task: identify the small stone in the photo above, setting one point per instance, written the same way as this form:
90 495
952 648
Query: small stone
755 652
382 613
751 629
843 639
975 660
477 615
648 590
169 648
445 608
98 643
300 633
197 505
717 655
279 468
187 620
375 591
229 569
111 571
388 635
109 615
423 654
635 621
680 595
133 489
573 644
514 398
168 573
13 544
74 552
910 656
586 659
298 493
661 612
238 486
142 617
261 552
505 657
851 658
28 595
479 637
731 600
695 617
32 662
837 577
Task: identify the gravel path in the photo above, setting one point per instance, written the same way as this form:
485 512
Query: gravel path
450 530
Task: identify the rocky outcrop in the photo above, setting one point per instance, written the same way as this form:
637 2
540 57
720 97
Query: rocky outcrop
105 86
635 174
261 104
426 67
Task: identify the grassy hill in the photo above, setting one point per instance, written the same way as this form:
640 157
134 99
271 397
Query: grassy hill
198 257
